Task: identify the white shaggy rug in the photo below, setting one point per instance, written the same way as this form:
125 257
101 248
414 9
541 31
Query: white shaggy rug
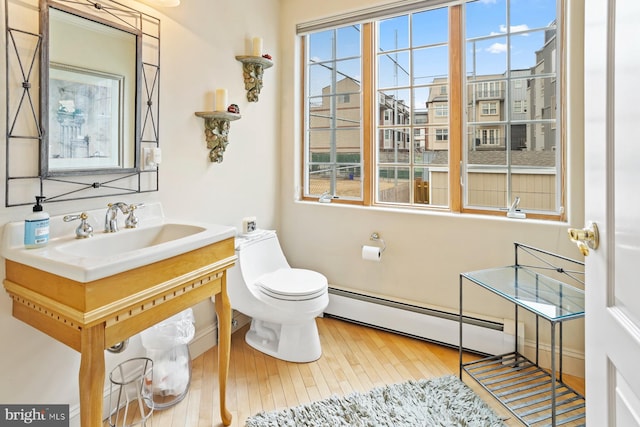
444 401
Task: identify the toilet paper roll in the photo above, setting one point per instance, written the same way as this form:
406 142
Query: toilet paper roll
371 253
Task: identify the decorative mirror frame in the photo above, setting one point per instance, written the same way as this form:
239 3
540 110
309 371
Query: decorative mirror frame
26 88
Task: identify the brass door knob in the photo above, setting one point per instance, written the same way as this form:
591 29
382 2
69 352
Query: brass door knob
586 238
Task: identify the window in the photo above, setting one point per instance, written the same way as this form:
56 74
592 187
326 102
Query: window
333 149
442 134
511 150
517 106
460 98
442 110
489 136
489 108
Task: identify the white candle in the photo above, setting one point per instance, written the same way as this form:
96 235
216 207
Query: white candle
257 46
221 100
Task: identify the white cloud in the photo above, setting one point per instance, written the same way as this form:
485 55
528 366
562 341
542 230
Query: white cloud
497 48
488 1
514 28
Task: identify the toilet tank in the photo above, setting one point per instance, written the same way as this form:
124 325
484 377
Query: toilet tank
259 254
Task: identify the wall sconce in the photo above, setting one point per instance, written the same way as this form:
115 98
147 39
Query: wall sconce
253 67
216 131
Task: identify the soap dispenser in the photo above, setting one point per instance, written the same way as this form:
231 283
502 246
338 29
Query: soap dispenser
36 226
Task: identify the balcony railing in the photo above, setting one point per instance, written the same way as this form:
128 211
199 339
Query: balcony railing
481 94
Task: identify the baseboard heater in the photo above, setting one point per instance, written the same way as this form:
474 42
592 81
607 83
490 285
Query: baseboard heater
479 335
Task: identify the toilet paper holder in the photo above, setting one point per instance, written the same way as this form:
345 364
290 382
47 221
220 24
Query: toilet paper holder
376 238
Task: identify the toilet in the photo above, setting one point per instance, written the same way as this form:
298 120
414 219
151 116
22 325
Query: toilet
283 302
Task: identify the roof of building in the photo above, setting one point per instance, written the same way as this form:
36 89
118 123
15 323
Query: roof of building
499 157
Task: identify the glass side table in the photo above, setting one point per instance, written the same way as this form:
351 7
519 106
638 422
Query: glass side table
536 396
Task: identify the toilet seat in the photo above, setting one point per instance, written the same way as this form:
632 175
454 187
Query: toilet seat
292 284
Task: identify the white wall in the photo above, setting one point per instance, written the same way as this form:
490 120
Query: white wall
199 42
426 251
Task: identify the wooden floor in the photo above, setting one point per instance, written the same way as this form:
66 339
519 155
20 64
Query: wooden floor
355 358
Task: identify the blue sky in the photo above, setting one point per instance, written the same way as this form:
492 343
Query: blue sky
486 29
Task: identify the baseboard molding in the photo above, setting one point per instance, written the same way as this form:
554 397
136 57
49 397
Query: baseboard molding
441 325
572 361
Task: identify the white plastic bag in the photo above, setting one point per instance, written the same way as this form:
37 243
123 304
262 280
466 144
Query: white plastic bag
166 344
176 330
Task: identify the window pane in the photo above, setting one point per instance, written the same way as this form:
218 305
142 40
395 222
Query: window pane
533 14
430 186
429 64
333 113
394 185
347 179
542 98
348 76
539 138
334 44
511 109
346 112
487 58
394 108
393 33
487 188
420 99
430 27
348 42
487 138
321 46
330 143
484 18
525 49
437 139
349 182
423 109
319 179
347 142
393 69
319 79
345 74
319 112
421 186
320 143
394 145
519 90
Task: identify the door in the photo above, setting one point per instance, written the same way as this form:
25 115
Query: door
612 201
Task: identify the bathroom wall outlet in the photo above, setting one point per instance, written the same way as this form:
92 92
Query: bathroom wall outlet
249 225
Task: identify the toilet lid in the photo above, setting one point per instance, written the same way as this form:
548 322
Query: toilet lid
292 284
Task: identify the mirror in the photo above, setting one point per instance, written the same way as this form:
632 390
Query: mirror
82 100
90 112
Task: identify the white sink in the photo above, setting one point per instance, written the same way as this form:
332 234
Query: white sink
131 239
105 254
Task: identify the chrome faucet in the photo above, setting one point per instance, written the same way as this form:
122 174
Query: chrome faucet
85 229
132 220
111 217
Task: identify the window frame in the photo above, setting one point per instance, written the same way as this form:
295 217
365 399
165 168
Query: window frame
456 114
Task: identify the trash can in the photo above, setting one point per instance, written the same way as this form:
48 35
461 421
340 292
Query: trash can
130 393
166 343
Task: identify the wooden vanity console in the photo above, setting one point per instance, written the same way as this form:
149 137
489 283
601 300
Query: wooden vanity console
91 317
